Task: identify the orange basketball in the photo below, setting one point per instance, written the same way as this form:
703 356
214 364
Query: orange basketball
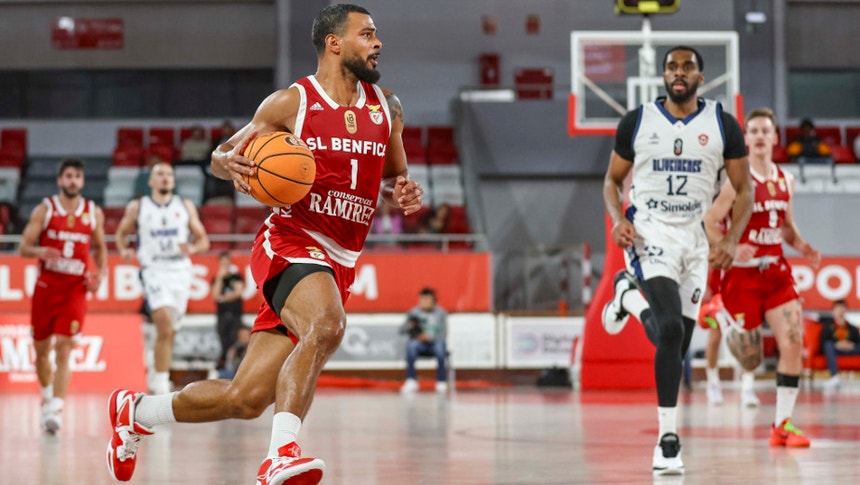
285 168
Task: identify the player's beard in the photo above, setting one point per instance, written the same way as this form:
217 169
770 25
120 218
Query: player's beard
69 193
358 67
681 98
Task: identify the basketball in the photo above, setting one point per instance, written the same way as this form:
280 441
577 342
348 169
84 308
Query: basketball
285 168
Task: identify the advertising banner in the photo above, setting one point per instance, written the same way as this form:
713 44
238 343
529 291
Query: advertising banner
537 342
384 283
108 354
835 279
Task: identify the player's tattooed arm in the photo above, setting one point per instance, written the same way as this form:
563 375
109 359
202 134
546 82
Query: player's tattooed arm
394 107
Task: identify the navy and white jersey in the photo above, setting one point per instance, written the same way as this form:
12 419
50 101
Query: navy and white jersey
677 163
160 231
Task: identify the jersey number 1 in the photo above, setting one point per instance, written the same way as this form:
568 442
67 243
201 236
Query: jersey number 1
354 163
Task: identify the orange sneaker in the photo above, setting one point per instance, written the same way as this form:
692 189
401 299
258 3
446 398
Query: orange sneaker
787 435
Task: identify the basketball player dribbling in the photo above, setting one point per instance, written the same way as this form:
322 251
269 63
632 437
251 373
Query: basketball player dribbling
305 254
676 148
61 232
759 285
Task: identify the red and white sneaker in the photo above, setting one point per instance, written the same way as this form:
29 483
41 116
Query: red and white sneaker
122 448
786 434
289 468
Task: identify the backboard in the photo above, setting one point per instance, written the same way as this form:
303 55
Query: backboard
613 72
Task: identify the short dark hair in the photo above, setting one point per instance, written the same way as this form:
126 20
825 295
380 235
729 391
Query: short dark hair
224 254
427 291
69 163
806 122
841 302
699 61
332 20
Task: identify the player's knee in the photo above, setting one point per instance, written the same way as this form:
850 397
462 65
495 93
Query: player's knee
326 332
671 331
751 361
248 403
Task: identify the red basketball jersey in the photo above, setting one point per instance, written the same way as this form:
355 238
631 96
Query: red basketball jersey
771 200
349 145
70 234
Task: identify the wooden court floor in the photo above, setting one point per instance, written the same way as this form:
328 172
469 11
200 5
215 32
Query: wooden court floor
508 436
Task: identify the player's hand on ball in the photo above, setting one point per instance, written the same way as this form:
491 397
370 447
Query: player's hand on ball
241 167
408 194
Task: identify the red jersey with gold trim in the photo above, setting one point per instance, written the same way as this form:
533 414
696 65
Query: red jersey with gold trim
349 145
771 202
70 233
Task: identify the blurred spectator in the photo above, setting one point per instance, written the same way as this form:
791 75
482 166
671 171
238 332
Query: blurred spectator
427 327
195 148
141 183
437 223
838 337
808 147
236 353
857 147
388 222
227 130
227 288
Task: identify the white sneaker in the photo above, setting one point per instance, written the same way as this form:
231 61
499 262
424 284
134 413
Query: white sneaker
715 393
832 385
614 315
51 420
441 387
411 385
749 399
667 456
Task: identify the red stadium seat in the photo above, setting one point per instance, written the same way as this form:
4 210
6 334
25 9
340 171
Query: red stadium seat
128 156
842 154
441 149
128 135
14 140
162 136
791 132
11 158
217 227
414 222
249 219
458 222
166 152
851 132
832 135
413 136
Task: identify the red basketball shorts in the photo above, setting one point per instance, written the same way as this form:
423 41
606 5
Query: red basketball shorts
58 309
749 292
270 260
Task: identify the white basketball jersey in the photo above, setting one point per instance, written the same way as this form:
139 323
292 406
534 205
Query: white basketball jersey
160 230
677 163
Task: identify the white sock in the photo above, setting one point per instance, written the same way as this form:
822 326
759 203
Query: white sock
667 419
57 403
48 392
634 302
151 411
713 375
285 429
747 381
785 399
160 383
